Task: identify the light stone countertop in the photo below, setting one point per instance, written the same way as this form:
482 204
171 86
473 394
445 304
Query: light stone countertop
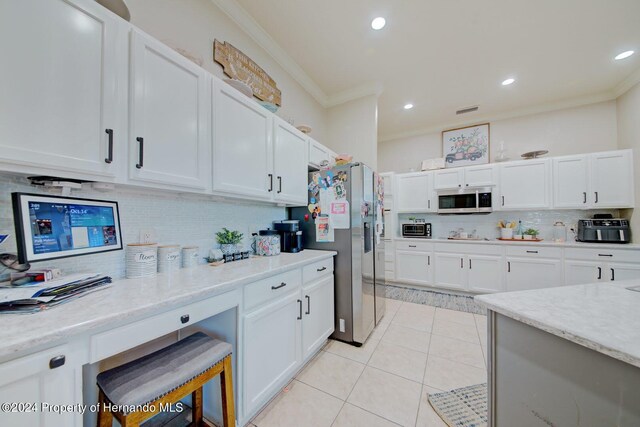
604 317
629 246
138 298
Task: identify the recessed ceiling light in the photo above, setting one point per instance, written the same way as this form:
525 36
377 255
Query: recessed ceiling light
378 23
508 82
408 106
623 55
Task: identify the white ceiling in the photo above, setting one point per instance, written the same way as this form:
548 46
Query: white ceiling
442 55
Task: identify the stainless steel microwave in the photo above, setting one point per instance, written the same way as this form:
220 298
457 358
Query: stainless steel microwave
465 201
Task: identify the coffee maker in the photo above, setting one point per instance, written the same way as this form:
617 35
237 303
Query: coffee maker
290 235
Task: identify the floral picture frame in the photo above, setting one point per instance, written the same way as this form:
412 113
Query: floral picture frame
466 146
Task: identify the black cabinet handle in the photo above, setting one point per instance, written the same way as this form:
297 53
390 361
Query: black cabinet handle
300 305
308 304
584 197
109 158
459 185
613 275
57 361
467 185
508 266
502 200
461 262
279 184
610 255
412 246
428 259
532 252
321 269
140 152
184 318
596 196
281 285
599 273
429 204
270 182
469 263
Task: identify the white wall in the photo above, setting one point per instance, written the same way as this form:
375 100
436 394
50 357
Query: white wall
576 130
352 128
192 25
629 137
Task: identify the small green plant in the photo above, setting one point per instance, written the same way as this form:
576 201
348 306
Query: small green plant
413 219
531 232
228 237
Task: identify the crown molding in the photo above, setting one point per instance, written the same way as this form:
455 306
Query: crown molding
627 83
249 25
355 93
527 111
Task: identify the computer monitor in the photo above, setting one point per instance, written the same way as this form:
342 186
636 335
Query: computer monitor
51 227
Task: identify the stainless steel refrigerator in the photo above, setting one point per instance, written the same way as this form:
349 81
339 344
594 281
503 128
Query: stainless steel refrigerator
356 236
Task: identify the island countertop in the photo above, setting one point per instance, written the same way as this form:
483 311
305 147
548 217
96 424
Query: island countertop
604 317
128 299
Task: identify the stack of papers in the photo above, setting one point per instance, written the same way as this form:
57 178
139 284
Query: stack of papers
33 299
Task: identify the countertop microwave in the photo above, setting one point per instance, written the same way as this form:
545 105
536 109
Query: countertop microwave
465 201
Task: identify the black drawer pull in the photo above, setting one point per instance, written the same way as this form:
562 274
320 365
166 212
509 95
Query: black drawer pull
140 152
412 246
57 361
321 269
532 252
109 158
281 285
605 255
308 304
599 273
184 318
508 266
613 275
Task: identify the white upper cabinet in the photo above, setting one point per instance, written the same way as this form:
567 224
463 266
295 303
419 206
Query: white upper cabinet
612 179
242 145
473 176
60 63
525 184
169 128
388 180
415 192
319 154
290 163
598 180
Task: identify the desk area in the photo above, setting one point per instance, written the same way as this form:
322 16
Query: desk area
234 302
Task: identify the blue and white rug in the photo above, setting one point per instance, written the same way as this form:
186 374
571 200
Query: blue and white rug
462 407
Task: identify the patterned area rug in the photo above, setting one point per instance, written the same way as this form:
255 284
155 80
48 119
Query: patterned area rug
462 407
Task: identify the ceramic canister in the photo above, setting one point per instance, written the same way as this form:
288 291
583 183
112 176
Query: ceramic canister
189 256
141 260
168 258
267 243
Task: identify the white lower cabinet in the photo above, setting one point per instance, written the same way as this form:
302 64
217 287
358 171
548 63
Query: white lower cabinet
317 317
450 271
414 267
485 274
533 273
36 379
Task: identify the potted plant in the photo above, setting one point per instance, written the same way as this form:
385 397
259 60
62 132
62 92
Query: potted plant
228 240
530 234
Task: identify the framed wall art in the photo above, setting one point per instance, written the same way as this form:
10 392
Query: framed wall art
466 146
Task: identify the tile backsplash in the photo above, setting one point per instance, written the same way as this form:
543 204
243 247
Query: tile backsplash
487 225
180 219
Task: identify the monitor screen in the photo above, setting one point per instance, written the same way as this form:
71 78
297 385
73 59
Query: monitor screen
49 227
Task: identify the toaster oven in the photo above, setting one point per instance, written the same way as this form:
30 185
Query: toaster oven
420 230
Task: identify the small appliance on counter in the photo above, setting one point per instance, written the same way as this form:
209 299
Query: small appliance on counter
420 230
607 230
290 235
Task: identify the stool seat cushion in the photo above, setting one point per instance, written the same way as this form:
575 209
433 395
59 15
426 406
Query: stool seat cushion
150 377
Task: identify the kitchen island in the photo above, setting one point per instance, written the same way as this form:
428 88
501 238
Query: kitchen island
564 356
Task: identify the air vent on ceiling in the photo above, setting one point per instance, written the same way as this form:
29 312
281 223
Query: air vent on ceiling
467 110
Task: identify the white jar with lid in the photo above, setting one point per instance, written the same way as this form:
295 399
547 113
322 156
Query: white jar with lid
559 232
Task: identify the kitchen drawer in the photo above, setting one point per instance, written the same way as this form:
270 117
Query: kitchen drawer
414 246
469 248
534 251
272 287
117 340
595 254
316 270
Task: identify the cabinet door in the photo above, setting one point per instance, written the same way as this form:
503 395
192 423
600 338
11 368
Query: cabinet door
612 179
414 267
485 274
60 63
415 193
581 272
318 315
30 379
169 138
290 164
571 182
622 271
479 176
448 178
525 184
317 153
450 270
271 349
525 273
242 146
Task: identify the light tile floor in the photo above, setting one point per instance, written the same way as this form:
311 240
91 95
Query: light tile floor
416 350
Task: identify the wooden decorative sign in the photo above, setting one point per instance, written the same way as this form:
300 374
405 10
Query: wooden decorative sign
239 66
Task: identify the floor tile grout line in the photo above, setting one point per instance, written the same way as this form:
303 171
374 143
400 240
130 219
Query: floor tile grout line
373 413
419 405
